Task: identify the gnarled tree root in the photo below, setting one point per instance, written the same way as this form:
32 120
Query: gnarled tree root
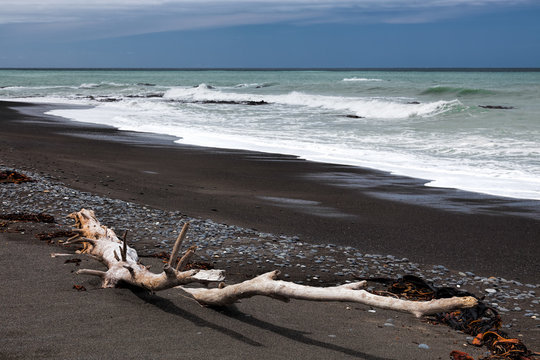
123 267
122 260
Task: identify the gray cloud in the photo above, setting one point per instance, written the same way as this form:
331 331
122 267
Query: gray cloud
107 18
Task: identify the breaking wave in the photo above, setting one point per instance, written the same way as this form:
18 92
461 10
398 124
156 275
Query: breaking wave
255 85
102 84
456 91
360 79
383 108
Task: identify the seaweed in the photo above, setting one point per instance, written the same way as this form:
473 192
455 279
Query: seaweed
28 217
481 321
49 237
8 176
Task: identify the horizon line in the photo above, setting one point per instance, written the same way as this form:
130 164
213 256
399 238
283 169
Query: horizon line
486 69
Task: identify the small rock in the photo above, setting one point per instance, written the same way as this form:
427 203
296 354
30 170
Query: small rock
423 346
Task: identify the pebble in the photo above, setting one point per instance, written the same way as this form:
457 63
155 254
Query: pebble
423 346
155 230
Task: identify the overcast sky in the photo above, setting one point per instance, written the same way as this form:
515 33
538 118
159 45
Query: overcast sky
270 33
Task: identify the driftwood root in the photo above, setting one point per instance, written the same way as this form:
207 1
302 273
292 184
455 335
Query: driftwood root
123 267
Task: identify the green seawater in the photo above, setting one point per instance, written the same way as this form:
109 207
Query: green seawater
471 130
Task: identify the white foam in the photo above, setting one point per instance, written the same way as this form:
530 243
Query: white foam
310 126
251 85
88 86
94 85
380 108
148 118
360 79
35 87
438 174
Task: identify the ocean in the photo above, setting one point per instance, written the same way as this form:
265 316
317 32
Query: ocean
477 131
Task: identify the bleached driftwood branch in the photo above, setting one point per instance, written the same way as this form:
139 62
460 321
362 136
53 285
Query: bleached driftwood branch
122 260
267 285
123 266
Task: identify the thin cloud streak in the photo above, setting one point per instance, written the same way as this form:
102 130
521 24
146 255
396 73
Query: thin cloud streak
80 19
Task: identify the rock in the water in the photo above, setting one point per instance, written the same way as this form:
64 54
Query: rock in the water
497 107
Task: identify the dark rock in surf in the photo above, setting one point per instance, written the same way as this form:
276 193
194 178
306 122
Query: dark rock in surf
155 95
108 100
231 102
102 99
496 107
261 102
353 116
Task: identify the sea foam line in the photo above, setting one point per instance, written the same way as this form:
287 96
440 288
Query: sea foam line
382 108
436 173
360 79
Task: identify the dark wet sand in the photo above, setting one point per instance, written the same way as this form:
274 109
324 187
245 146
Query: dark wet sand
321 203
42 316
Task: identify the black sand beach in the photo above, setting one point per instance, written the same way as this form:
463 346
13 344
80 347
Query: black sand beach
320 203
51 320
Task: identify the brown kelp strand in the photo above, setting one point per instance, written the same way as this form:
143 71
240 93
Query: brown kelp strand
8 176
49 237
199 265
28 217
481 321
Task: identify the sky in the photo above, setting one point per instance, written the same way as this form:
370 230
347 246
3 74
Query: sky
269 33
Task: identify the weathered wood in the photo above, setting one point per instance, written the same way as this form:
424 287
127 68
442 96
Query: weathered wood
106 246
184 260
178 243
103 244
124 246
267 285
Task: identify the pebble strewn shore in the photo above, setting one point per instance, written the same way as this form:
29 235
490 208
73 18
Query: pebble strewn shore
247 252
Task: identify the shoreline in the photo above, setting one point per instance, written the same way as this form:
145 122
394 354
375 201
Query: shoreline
243 252
320 203
468 180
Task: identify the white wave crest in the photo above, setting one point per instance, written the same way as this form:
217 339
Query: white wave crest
44 87
204 92
101 84
360 79
254 85
379 108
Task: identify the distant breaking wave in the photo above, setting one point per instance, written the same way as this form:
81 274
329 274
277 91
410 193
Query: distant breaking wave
457 91
255 85
428 126
382 108
360 79
102 84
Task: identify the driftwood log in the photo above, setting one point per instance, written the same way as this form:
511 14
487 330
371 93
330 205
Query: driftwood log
123 266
